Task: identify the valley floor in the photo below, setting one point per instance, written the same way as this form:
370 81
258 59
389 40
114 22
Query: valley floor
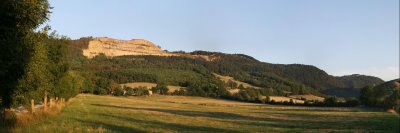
92 113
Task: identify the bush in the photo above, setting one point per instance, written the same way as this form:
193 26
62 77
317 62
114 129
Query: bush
129 91
161 89
100 91
179 92
118 92
331 101
140 91
113 87
352 102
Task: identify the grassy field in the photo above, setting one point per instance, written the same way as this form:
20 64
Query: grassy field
285 99
149 85
308 97
91 113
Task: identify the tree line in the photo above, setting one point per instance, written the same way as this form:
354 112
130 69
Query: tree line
386 95
33 62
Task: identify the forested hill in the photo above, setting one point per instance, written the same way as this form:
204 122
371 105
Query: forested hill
250 70
359 81
190 68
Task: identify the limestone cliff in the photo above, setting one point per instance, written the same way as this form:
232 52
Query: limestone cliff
112 47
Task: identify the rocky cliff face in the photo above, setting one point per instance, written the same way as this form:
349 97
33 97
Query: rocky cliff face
112 47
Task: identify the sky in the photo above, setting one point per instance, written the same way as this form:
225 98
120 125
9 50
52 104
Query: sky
342 37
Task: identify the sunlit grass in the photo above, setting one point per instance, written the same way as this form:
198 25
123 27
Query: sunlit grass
91 113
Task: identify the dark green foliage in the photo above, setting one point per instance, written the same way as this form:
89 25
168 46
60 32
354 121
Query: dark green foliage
88 86
311 76
294 78
68 85
100 91
33 63
101 86
393 101
252 95
343 92
129 91
249 70
331 101
353 85
22 48
113 87
140 91
351 102
367 95
385 95
36 79
161 88
180 92
170 70
232 84
359 81
180 71
118 92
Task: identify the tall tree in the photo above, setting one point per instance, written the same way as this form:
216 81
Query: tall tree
366 95
19 42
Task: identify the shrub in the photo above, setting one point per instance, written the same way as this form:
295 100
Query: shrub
129 91
140 91
118 92
100 91
272 102
160 88
180 92
352 102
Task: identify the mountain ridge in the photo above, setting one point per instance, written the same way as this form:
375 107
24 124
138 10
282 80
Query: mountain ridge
289 77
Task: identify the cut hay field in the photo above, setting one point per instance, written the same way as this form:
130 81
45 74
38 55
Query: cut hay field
285 99
92 113
149 85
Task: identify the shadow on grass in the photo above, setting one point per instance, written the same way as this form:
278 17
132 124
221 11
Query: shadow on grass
109 127
303 121
6 124
169 126
218 115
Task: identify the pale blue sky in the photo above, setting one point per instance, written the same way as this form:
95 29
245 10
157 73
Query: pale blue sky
339 36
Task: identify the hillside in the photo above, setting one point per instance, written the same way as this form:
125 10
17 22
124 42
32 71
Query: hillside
389 86
354 83
143 61
298 76
359 81
386 95
92 113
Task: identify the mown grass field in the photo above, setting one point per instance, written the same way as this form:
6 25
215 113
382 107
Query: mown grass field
149 85
91 113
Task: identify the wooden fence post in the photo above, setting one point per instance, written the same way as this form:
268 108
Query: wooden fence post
33 106
63 101
51 103
45 102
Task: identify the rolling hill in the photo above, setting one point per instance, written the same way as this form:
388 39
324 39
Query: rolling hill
143 61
